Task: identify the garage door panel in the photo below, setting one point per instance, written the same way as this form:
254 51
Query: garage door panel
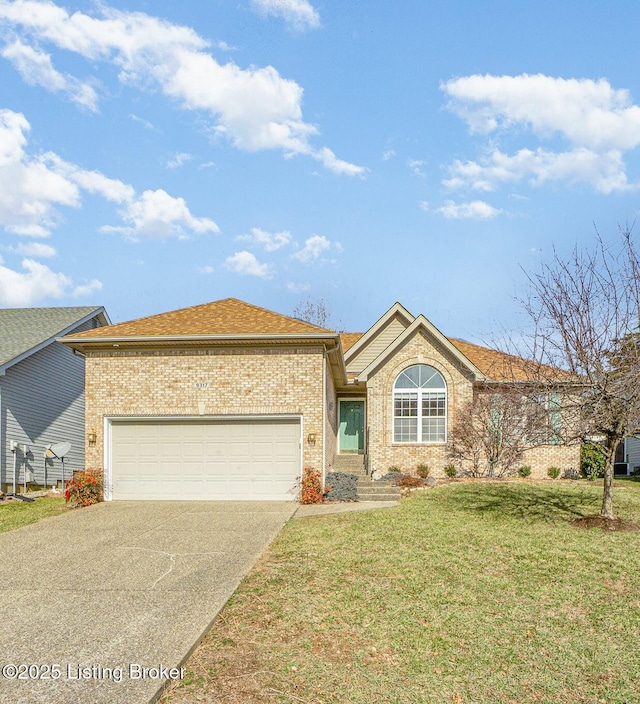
200 460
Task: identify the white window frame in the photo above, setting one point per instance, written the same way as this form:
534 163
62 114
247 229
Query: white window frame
420 394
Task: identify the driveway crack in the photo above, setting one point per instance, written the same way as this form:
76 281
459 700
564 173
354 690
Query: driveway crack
172 559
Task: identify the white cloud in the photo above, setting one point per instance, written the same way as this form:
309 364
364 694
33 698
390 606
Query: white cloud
87 289
30 190
207 269
33 285
415 166
424 205
388 154
314 246
246 263
604 171
338 166
598 123
298 14
158 215
476 210
33 188
145 123
36 283
36 69
270 242
255 108
178 160
298 288
91 181
33 249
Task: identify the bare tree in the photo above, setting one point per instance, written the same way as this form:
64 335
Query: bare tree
313 311
586 312
492 432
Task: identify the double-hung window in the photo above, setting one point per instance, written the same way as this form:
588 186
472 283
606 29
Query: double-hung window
420 405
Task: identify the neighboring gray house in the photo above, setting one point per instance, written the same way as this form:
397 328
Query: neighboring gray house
629 455
41 391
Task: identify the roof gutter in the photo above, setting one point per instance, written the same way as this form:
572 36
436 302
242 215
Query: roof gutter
197 338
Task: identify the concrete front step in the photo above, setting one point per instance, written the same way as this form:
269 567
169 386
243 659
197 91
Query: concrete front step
377 491
348 461
378 497
368 490
389 495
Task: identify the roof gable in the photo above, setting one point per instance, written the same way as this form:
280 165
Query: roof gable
24 331
397 311
421 323
227 317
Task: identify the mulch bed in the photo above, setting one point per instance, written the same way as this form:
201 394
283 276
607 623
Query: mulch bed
609 524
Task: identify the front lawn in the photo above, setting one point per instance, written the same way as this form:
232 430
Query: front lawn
470 593
16 514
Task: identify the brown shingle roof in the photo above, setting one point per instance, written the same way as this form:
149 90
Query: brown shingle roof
228 316
349 339
495 365
500 366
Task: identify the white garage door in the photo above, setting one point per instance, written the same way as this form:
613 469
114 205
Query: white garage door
215 460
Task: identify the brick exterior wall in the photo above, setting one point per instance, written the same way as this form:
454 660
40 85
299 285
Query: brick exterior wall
383 452
540 459
261 382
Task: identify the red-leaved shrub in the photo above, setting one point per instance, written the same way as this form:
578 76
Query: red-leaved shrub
85 488
311 490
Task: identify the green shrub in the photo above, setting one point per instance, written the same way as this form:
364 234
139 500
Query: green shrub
592 460
450 471
85 489
524 471
554 472
423 470
393 469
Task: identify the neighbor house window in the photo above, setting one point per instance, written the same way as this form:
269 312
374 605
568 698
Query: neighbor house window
420 405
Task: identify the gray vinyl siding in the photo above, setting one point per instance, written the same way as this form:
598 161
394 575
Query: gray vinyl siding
393 329
42 403
632 452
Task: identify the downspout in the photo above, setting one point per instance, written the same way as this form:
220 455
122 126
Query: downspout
324 413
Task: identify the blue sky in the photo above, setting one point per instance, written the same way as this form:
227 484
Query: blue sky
156 155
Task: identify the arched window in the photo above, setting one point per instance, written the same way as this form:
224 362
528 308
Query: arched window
420 405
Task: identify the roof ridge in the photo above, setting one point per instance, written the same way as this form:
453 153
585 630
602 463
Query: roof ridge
224 317
272 312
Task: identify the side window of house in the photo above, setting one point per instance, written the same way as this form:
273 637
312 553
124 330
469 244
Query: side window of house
551 404
420 405
555 419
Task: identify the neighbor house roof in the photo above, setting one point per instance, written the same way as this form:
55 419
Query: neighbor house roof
227 317
24 331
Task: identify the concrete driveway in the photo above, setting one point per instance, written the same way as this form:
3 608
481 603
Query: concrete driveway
91 598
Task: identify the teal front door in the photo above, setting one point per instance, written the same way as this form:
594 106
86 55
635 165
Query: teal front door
351 435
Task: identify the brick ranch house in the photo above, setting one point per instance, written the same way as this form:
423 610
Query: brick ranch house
227 400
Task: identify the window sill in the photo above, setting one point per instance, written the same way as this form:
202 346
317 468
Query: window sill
395 443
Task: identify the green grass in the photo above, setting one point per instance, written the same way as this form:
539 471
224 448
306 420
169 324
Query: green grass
477 593
17 514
